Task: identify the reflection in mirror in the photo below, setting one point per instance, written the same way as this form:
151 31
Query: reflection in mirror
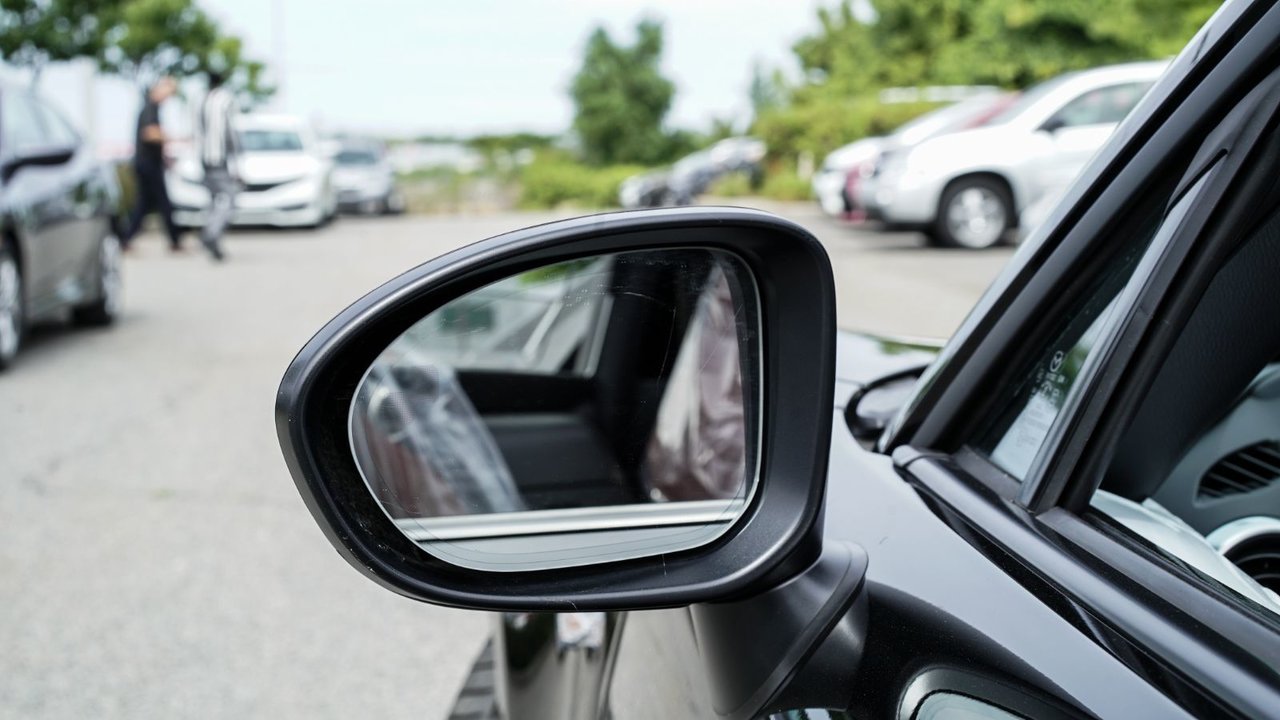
597 409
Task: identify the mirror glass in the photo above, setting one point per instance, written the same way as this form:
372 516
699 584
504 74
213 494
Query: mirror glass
592 410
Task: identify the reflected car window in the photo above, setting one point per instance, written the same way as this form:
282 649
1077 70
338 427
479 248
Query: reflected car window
543 321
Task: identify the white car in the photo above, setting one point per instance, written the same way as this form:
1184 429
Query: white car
285 179
830 180
967 189
840 184
363 178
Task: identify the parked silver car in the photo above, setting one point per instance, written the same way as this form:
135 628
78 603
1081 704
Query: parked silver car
966 189
363 178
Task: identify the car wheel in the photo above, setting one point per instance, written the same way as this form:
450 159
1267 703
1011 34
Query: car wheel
973 214
106 308
12 312
476 699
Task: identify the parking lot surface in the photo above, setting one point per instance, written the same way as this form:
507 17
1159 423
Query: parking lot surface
155 559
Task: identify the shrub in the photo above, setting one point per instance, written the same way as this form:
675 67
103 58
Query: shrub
555 179
819 124
732 185
785 185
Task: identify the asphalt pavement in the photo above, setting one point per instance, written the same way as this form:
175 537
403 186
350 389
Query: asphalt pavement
155 558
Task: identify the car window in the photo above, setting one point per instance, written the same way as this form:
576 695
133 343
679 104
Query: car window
1031 97
356 157
1017 436
20 125
270 141
58 130
1107 105
1196 474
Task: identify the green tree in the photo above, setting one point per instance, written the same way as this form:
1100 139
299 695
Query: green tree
621 99
1004 42
149 38
245 76
768 90
34 33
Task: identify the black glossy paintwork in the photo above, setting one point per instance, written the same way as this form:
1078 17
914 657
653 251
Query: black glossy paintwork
935 600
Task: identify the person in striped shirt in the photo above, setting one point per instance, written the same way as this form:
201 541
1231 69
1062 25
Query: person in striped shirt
217 154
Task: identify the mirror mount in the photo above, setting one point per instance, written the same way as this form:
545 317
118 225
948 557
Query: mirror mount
875 404
778 534
806 637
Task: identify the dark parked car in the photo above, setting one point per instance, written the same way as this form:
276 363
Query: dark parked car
710 503
59 249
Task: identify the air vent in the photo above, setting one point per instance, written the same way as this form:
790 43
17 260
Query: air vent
1259 558
1245 470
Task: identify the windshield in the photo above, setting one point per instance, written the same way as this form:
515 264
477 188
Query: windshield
270 141
356 157
945 119
1029 98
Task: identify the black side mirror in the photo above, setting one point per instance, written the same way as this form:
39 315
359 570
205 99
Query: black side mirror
874 406
52 155
406 499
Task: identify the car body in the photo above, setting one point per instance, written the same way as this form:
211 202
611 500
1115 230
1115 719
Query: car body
1072 512
693 174
363 179
285 178
839 184
58 215
647 190
832 178
972 112
985 176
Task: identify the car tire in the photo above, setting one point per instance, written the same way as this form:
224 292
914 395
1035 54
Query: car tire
974 213
106 308
12 306
477 699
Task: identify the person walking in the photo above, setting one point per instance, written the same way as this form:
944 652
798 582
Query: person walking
217 154
149 167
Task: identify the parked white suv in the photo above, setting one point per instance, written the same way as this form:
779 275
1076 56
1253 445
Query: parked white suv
966 189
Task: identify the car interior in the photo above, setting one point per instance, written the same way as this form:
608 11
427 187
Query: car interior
508 439
1205 444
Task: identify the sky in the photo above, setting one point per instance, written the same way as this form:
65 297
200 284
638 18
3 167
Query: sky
470 66
412 67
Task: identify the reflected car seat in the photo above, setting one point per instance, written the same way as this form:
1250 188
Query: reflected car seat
698 447
422 446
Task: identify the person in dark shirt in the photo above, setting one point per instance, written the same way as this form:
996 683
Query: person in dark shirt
149 166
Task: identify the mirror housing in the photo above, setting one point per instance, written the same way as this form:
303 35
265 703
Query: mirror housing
777 536
875 404
47 156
